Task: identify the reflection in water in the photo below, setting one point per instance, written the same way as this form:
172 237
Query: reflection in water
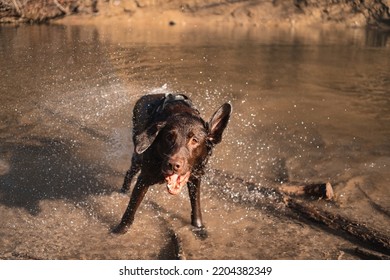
377 38
309 106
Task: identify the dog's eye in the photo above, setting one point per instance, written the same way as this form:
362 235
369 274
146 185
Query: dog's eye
170 137
194 140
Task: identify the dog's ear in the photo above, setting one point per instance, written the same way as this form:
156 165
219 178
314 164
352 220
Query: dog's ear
218 123
146 138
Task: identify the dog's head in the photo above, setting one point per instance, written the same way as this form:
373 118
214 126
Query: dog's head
183 143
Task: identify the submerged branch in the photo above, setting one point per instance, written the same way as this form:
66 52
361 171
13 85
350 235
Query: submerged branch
271 198
338 222
370 255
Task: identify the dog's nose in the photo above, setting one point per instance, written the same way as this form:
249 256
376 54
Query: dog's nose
175 165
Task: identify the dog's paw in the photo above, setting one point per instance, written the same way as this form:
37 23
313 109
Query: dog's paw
200 232
124 190
119 229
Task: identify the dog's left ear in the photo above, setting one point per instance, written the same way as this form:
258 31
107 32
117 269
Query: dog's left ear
218 123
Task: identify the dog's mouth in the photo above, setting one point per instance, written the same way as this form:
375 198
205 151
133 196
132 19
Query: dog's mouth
176 182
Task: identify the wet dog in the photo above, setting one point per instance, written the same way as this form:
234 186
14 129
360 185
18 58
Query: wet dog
172 144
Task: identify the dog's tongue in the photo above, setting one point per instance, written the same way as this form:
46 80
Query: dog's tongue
176 182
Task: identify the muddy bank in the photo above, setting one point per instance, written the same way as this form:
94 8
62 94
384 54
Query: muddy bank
350 13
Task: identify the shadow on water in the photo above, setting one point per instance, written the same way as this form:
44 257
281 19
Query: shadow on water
47 170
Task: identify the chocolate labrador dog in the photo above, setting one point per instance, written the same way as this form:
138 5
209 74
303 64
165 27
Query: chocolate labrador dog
172 144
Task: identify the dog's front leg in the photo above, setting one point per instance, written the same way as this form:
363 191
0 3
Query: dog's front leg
133 170
196 213
194 192
137 195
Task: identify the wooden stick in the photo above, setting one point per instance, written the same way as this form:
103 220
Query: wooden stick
320 190
370 255
338 222
17 8
272 198
60 7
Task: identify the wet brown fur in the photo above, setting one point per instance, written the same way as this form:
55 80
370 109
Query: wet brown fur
169 137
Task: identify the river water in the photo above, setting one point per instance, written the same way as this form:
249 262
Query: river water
309 106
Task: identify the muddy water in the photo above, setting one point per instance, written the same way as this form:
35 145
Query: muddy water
309 106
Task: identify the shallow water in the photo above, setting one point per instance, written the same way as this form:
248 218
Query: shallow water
309 106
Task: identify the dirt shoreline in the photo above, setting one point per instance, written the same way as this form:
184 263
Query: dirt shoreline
286 13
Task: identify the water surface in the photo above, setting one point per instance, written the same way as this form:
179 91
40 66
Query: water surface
309 106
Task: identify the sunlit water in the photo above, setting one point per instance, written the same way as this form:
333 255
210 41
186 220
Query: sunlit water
310 106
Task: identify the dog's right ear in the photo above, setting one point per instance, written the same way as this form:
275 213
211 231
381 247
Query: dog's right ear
146 138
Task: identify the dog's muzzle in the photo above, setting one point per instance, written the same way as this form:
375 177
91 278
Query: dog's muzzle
176 182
